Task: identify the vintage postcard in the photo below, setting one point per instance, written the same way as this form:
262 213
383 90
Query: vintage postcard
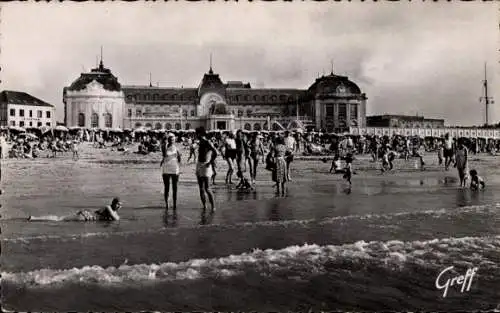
249 156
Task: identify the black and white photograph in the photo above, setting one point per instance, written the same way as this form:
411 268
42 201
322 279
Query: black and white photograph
250 156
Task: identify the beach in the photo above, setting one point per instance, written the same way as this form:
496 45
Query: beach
377 246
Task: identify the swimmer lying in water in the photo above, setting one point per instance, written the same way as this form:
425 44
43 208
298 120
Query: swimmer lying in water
108 213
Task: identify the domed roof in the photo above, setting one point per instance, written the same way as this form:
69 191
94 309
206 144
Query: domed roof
100 74
334 84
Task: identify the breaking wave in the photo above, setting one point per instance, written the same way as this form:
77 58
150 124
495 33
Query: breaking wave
294 262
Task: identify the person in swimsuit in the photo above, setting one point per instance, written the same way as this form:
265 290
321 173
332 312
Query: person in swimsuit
461 162
280 169
256 152
206 154
107 214
170 167
476 182
230 155
448 147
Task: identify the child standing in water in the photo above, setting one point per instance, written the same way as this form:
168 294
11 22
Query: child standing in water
461 162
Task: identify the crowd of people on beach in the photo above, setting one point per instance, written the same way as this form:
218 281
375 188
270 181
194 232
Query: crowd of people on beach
243 151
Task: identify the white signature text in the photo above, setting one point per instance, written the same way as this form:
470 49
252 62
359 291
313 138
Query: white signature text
461 280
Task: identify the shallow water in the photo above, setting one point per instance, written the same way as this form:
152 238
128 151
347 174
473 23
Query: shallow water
379 245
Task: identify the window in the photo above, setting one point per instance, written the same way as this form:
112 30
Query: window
156 97
94 120
47 114
329 110
12 112
12 123
31 113
48 124
21 123
129 113
184 113
249 112
158 126
149 125
188 126
168 126
240 113
108 120
138 112
81 120
256 126
31 124
148 110
39 114
39 124
138 124
247 126
192 113
342 112
354 111
21 112
177 126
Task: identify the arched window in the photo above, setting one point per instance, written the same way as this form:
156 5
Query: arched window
168 126
156 97
188 126
164 97
247 98
274 98
147 97
81 120
138 112
256 126
149 125
108 120
240 113
249 112
184 113
158 126
138 124
94 120
177 126
192 113
248 126
264 98
256 98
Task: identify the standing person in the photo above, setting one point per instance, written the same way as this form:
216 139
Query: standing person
192 149
170 166
241 160
461 162
280 168
206 154
348 168
230 155
440 151
256 152
448 150
290 143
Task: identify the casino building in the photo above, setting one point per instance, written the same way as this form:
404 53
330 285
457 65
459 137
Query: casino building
97 100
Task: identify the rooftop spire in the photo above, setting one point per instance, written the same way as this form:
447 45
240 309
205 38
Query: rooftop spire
210 71
100 63
331 62
150 84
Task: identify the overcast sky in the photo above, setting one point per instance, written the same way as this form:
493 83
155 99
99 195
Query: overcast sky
408 58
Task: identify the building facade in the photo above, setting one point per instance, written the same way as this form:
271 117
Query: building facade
403 121
23 110
96 99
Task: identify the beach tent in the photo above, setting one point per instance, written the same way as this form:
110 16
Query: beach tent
61 128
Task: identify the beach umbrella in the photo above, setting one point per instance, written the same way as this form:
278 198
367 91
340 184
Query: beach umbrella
61 128
141 129
75 128
17 129
116 130
44 129
29 135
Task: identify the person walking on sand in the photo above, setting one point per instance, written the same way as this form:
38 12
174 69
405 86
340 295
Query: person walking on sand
256 152
461 162
279 172
170 168
290 144
448 148
206 154
230 156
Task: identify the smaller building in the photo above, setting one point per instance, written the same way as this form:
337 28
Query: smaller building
403 121
23 110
